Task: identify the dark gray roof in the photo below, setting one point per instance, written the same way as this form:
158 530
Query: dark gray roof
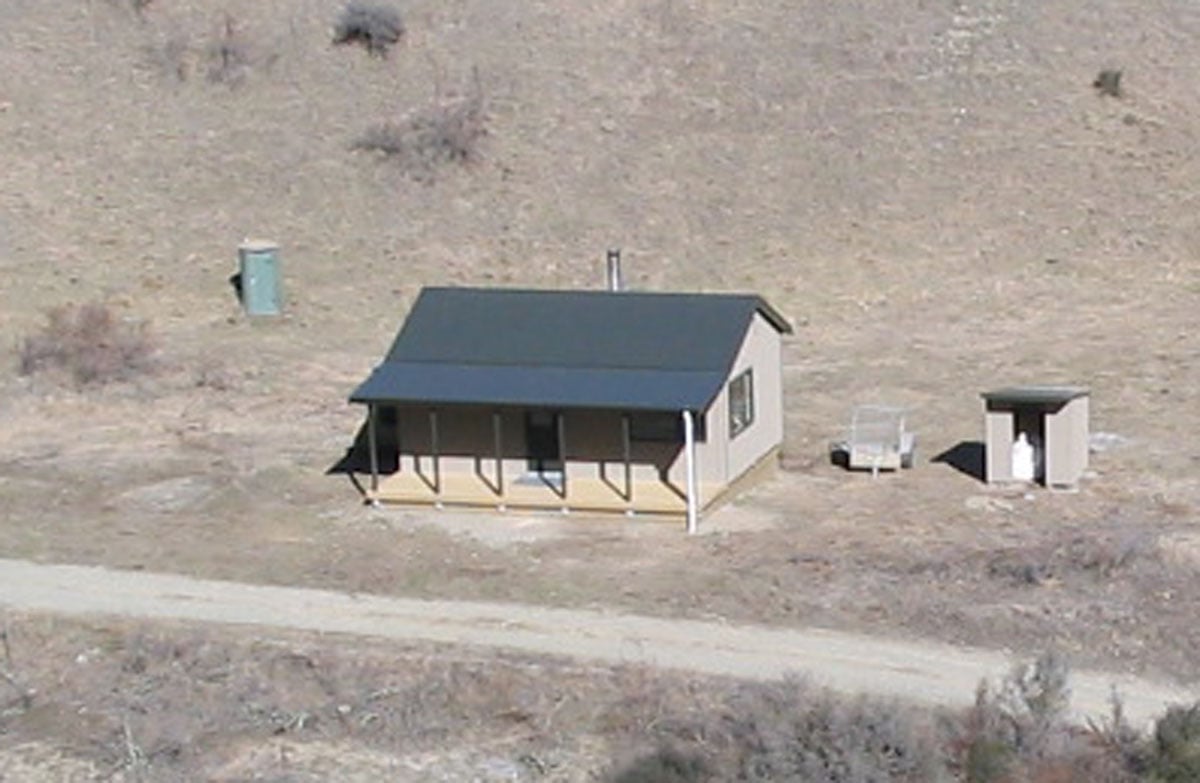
1035 395
628 350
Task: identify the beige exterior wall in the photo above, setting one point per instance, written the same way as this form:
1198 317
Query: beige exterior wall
999 436
1081 410
720 459
710 455
761 351
1067 443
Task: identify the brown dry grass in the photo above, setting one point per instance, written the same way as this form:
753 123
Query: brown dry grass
90 343
938 198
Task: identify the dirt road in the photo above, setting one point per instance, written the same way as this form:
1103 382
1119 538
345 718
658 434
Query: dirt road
929 673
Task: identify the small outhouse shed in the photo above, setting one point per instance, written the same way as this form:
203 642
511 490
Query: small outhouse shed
1038 433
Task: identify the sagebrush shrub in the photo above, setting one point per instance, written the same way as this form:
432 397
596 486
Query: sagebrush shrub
1035 699
665 765
1018 725
377 27
447 133
1175 748
90 343
228 55
788 731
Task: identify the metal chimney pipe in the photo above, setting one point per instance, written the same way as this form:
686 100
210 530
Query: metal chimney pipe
614 269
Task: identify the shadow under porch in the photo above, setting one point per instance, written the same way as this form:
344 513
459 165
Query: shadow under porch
582 460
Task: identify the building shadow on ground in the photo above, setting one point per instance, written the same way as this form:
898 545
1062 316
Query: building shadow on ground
965 457
355 462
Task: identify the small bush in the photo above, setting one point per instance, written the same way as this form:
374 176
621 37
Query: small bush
1035 699
88 342
1175 749
789 732
448 133
376 27
666 765
171 57
138 7
1018 726
228 55
1118 745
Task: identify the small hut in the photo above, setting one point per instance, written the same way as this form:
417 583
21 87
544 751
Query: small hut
592 400
1037 433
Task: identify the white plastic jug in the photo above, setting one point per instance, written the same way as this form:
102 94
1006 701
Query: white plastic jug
1023 462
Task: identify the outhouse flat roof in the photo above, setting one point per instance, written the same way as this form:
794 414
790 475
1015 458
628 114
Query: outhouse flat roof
1035 395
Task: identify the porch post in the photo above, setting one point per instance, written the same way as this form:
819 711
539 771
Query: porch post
626 451
372 446
496 434
400 450
434 451
562 453
689 450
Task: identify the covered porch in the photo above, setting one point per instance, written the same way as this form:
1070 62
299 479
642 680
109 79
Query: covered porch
593 460
583 494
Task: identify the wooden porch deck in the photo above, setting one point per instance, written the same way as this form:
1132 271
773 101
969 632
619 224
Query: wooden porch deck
583 494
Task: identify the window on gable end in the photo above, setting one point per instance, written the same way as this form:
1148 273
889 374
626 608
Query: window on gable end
741 403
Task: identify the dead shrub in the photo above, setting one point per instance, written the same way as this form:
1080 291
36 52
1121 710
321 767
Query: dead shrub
986 754
24 696
89 343
1035 700
137 7
228 55
1109 751
790 731
376 27
171 57
1020 731
645 701
665 765
1099 554
447 133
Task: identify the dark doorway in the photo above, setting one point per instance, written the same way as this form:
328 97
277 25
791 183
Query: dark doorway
541 442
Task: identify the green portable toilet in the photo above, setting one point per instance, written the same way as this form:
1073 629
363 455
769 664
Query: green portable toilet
258 266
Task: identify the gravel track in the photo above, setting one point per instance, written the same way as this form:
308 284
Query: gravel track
928 673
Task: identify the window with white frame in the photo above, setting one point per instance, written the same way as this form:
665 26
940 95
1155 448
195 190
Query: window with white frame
741 403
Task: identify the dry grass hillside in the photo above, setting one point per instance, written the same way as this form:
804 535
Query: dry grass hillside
899 184
935 195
